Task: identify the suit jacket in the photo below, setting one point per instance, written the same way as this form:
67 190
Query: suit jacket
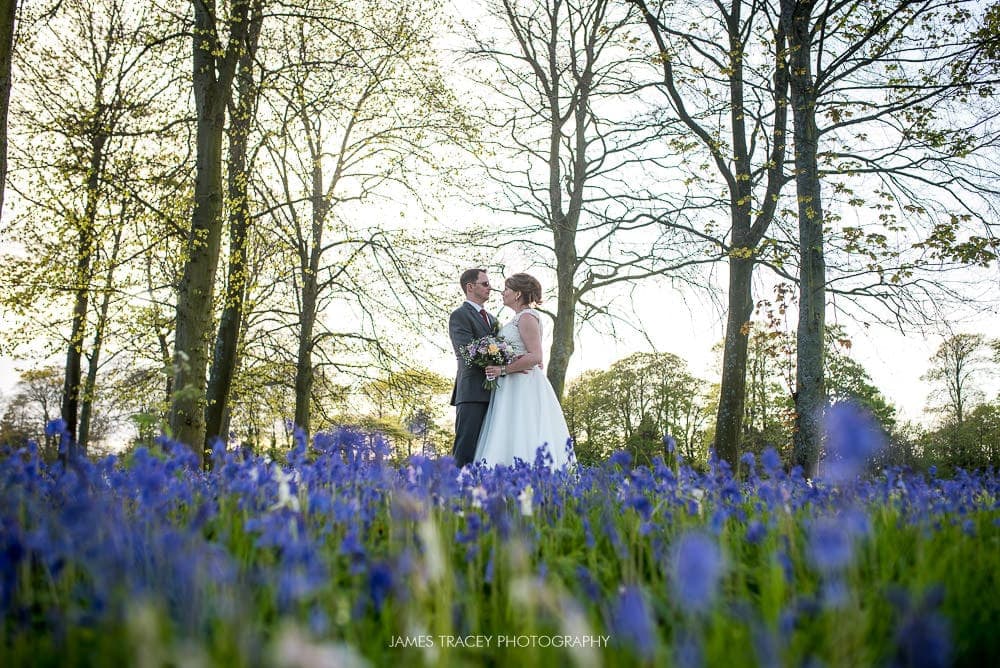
464 326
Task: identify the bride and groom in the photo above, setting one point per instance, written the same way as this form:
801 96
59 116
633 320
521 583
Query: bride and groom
522 413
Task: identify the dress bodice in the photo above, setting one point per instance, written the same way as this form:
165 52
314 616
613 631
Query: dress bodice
512 335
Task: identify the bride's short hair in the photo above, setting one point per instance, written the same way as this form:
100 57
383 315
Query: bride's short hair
527 285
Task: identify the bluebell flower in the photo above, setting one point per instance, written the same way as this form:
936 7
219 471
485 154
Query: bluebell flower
786 564
588 583
729 491
697 570
12 552
56 427
835 592
853 438
831 548
641 504
718 520
631 623
771 461
380 583
923 640
688 651
588 534
756 531
669 443
621 458
488 572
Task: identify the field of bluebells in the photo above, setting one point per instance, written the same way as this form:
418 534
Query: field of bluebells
337 558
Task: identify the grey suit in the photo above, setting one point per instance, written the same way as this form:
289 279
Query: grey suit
468 396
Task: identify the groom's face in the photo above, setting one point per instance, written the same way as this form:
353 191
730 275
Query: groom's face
479 292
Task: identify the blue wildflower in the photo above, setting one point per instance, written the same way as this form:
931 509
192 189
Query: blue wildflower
697 569
756 531
379 584
641 504
923 640
830 546
853 438
631 623
587 583
688 652
56 427
771 461
621 458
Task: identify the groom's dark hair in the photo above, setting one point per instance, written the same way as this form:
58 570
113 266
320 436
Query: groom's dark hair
469 276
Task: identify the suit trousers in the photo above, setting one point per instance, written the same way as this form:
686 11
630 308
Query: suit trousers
469 417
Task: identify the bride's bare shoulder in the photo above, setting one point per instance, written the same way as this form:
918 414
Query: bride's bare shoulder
536 317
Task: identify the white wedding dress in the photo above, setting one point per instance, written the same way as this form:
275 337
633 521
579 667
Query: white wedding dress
524 413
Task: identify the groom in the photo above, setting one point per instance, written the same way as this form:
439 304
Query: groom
468 322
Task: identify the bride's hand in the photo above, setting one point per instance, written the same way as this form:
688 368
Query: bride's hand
492 372
539 365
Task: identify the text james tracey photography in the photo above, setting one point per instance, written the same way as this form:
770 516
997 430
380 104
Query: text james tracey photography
498 641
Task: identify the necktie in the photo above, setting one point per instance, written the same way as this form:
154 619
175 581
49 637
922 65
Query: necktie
486 318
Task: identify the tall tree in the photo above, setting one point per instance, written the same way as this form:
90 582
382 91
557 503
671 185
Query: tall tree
360 109
571 139
8 14
730 98
954 369
84 110
810 393
881 96
239 170
214 62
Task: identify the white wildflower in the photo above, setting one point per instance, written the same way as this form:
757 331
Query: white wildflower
295 649
525 498
433 552
285 498
479 495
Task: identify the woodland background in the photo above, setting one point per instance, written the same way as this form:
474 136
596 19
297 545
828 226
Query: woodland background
223 219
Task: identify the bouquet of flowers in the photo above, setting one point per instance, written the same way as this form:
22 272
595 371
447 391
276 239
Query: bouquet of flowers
490 350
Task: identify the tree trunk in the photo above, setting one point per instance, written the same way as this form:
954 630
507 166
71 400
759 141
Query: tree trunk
564 223
309 259
732 395
303 364
81 287
196 290
74 349
564 323
810 396
213 77
8 12
227 341
87 392
732 391
747 230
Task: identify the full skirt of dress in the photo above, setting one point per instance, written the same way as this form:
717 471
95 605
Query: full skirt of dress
523 416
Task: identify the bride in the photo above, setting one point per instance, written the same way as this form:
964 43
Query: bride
524 413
